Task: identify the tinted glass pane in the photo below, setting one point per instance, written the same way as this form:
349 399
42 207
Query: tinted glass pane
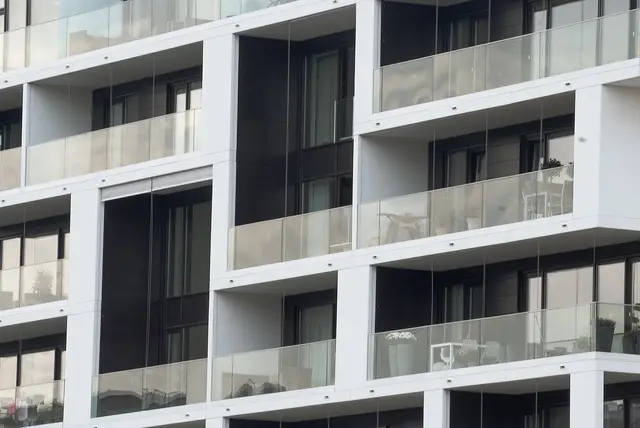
8 372
10 253
177 220
199 248
196 345
38 367
40 249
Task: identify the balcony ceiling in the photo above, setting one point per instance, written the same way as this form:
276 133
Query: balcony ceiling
11 98
494 118
292 286
133 69
564 242
441 3
33 329
356 407
528 386
17 214
309 27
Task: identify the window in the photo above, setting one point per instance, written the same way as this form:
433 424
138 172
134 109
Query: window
466 166
188 343
327 193
117 110
322 93
185 96
10 135
315 323
549 151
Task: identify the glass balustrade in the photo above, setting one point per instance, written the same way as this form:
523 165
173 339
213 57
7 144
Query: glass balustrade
274 370
522 336
506 62
487 203
150 388
113 147
290 238
120 23
34 284
32 405
10 168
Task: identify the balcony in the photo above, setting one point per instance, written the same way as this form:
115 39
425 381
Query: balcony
32 405
472 206
150 388
290 238
10 168
506 62
113 147
522 336
268 371
120 23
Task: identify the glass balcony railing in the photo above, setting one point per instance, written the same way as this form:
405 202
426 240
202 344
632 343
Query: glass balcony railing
124 22
487 203
113 147
230 8
32 405
522 336
34 284
290 238
10 168
150 388
506 62
274 370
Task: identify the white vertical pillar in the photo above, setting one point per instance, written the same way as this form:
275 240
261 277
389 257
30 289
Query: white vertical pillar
587 151
587 400
219 93
217 423
26 119
83 323
354 325
436 409
223 215
367 57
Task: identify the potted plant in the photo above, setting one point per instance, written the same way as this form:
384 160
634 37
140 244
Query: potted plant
605 328
401 352
551 164
583 344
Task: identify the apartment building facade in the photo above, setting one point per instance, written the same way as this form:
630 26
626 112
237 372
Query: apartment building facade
342 213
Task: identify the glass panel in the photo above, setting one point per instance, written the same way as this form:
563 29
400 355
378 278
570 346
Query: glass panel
322 96
305 366
318 195
8 371
199 248
164 386
42 283
45 162
569 287
40 249
10 253
10 288
49 398
256 373
10 167
256 244
119 392
177 240
88 31
47 42
456 209
222 377
406 84
37 367
561 149
196 342
614 414
315 324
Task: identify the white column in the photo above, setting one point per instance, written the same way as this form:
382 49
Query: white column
354 325
217 423
367 57
26 119
436 409
219 93
606 134
83 325
587 400
223 215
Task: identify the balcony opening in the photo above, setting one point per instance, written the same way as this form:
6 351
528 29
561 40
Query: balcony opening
113 116
155 298
36 32
275 337
32 374
10 138
547 297
432 50
34 253
394 411
536 403
294 142
478 170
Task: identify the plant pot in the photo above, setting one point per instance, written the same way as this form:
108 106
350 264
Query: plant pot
401 359
441 231
604 337
473 223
